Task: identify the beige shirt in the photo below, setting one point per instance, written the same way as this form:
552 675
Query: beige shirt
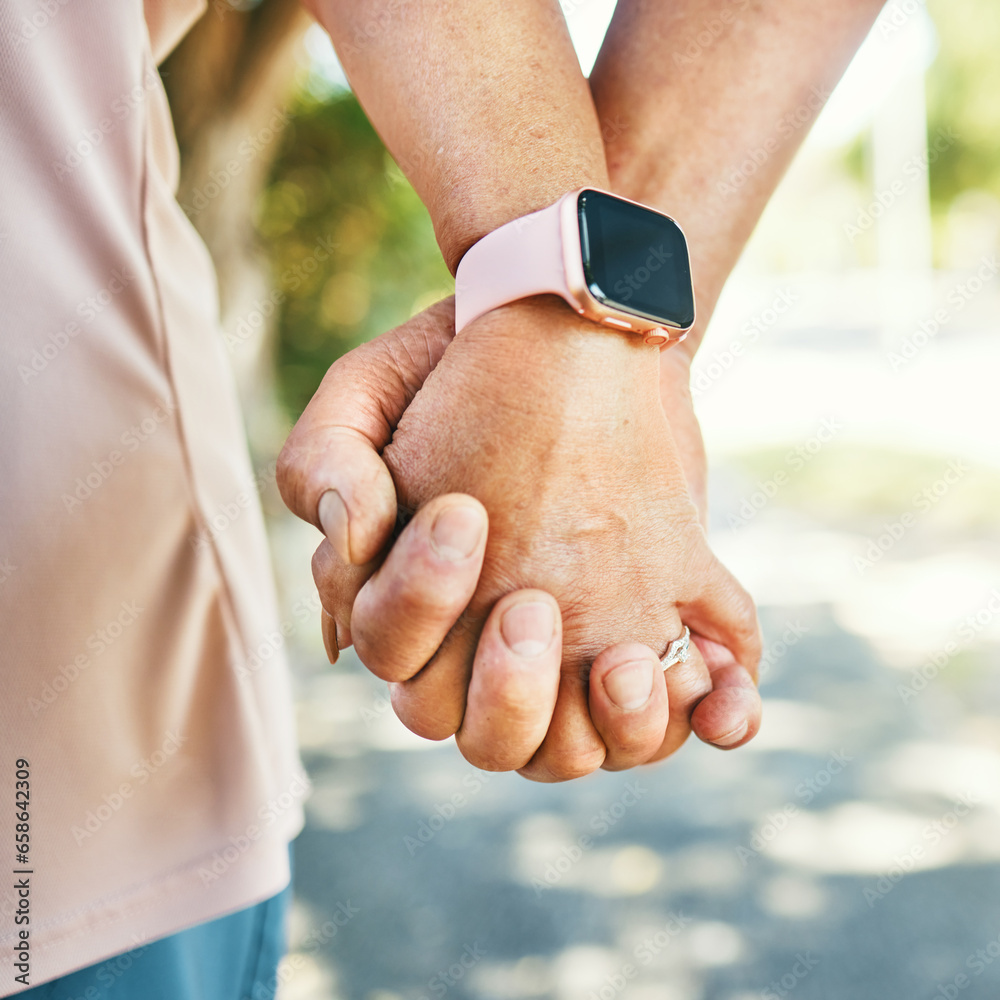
143 679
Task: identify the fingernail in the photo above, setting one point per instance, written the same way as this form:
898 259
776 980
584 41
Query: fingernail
329 630
456 532
527 629
333 519
630 685
734 737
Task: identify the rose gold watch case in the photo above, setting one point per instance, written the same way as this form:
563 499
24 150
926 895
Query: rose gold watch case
584 301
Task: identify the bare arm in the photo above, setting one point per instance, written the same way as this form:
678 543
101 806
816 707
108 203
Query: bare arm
705 103
483 105
713 99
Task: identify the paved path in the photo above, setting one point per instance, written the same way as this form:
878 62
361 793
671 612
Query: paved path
715 875
851 852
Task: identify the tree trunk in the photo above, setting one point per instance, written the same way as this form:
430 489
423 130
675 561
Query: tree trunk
229 82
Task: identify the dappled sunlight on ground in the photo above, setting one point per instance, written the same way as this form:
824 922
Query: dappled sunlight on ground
851 850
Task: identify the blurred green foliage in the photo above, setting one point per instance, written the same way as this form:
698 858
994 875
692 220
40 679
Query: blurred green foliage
962 88
351 246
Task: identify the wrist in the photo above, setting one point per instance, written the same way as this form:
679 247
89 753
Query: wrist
541 342
614 261
464 217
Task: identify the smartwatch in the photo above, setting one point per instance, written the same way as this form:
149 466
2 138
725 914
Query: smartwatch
613 260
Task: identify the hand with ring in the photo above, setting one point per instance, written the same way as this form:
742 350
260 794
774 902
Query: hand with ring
554 556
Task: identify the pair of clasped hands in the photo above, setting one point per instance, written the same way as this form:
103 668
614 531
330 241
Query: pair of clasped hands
554 468
555 475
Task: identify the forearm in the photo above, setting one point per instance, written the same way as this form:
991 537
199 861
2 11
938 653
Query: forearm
699 88
483 105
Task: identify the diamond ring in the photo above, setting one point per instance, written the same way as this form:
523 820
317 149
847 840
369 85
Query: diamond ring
679 651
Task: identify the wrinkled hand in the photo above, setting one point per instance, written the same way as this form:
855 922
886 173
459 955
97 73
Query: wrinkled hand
587 501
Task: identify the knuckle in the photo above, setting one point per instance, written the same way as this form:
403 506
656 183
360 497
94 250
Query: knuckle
384 663
431 729
435 720
671 744
746 609
412 602
569 765
347 366
288 473
487 758
633 745
623 762
285 466
688 686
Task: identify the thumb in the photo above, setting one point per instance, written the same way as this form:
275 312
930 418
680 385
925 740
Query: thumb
330 471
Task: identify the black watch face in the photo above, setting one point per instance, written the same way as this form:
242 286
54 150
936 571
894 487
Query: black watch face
635 259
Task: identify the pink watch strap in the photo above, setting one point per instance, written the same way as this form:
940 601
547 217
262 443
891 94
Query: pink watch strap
522 258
